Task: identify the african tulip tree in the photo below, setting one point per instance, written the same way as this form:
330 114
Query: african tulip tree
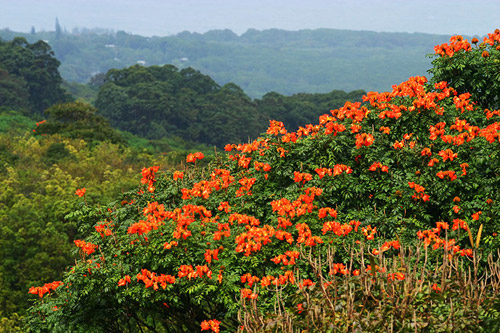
193 247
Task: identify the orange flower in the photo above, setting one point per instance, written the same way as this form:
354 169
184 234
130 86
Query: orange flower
475 216
364 139
212 324
436 288
385 130
80 192
485 54
191 158
125 281
178 175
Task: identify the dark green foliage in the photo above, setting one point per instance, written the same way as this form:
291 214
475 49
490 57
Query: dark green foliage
29 76
78 120
258 61
156 102
56 152
300 109
475 71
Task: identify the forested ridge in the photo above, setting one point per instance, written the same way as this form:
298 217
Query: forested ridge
259 62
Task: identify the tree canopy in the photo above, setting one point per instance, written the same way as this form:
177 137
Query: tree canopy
29 76
159 101
365 220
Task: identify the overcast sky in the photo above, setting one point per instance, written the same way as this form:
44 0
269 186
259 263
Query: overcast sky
166 17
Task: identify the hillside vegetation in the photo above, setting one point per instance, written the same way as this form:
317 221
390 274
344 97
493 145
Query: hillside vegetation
259 62
382 216
52 147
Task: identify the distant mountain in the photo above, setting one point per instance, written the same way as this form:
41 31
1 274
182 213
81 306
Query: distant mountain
287 62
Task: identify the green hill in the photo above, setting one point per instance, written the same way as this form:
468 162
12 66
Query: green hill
287 62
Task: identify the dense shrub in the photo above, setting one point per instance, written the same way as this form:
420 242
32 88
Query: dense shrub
383 215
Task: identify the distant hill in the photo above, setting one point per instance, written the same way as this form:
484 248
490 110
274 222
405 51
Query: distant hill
286 62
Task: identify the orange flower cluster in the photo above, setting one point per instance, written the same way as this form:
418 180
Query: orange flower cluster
450 174
339 268
337 170
338 228
178 175
283 258
103 228
246 185
333 127
385 130
351 110
419 192
253 239
378 165
247 293
126 280
244 219
491 132
431 236
45 289
301 177
462 102
261 166
197 272
219 179
211 254
306 283
224 206
148 177
414 87
475 216
305 235
447 154
87 248
212 324
81 192
276 127
155 215
186 215
153 279
387 246
223 230
396 276
456 44
249 279
364 139
324 212
191 158
301 206
242 160
283 235
281 280
369 232
492 38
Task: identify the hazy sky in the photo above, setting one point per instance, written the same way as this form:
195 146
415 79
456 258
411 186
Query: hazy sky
166 17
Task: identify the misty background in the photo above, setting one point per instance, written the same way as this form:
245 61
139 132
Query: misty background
162 18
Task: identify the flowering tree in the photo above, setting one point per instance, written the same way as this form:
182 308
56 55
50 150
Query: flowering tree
471 67
220 247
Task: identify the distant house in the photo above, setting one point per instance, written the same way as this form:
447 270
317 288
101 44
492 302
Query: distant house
184 59
110 46
141 62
